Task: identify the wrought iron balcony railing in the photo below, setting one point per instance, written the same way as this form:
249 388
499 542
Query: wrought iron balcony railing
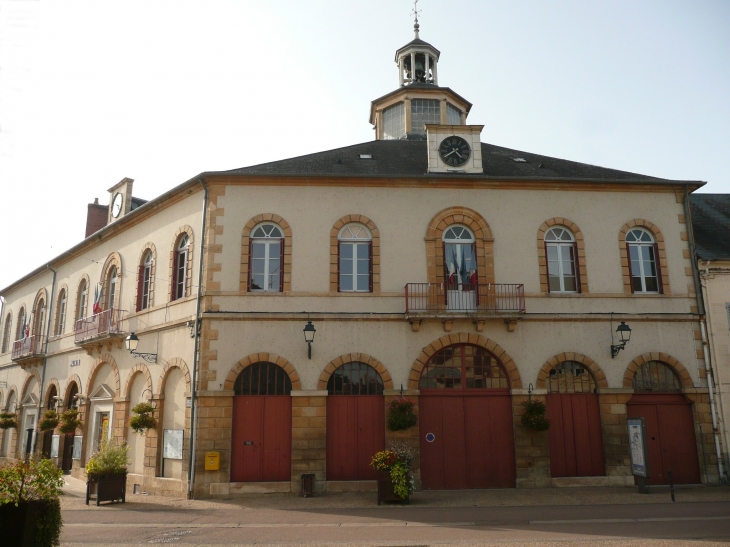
465 298
101 324
28 347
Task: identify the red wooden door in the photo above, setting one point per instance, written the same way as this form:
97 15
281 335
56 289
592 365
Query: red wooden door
575 435
467 440
670 436
261 443
355 432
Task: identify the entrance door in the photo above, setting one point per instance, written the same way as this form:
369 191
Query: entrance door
670 436
68 450
355 422
575 434
262 421
467 436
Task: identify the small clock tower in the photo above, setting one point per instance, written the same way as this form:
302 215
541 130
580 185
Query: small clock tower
120 199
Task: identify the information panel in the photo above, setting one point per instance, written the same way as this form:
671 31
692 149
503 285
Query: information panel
77 447
637 444
172 444
54 445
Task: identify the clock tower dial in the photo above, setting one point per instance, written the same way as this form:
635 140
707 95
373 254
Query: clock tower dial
454 151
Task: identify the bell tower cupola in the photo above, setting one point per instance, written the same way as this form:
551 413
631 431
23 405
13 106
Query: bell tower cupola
418 100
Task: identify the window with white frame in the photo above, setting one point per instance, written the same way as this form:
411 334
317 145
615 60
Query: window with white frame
6 333
145 282
61 320
111 281
22 326
643 264
40 312
180 268
561 252
355 252
83 295
460 263
266 258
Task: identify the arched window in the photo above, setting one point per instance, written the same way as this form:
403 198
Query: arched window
561 251
6 333
355 251
263 378
180 268
144 282
22 326
460 262
355 378
61 312
643 264
266 258
111 283
40 312
81 300
463 367
656 377
571 377
72 401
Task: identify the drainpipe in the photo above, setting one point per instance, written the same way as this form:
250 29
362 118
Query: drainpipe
193 422
2 316
703 330
45 352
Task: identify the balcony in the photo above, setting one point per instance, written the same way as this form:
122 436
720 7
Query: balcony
476 301
29 350
102 330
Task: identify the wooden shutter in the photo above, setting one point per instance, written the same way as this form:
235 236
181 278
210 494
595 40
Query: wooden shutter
576 265
140 286
173 283
250 264
631 274
281 265
339 244
660 285
370 262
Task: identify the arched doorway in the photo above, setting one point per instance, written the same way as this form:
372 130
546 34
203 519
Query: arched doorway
670 432
262 421
355 421
68 439
467 436
575 435
48 435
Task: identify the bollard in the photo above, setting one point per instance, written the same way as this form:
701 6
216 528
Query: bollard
671 483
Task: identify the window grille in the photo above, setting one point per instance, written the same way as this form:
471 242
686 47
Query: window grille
355 378
463 367
263 378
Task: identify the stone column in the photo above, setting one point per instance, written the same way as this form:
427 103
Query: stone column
616 435
407 112
401 67
705 435
442 107
427 64
413 66
532 449
309 438
435 72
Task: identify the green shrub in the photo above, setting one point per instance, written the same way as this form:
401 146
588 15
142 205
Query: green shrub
534 416
32 480
110 459
401 415
143 418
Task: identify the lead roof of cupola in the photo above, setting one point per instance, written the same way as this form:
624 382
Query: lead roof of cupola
417 42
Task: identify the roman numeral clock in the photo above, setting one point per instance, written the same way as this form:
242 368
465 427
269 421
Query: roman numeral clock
454 151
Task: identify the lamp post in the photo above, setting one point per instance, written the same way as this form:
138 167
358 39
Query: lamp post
624 335
309 332
131 343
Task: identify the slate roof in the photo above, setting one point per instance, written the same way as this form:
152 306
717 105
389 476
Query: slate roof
711 225
405 158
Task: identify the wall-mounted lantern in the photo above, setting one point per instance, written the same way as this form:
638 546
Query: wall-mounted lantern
309 332
624 335
131 344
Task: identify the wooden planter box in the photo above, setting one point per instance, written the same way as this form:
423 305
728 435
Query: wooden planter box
385 489
107 488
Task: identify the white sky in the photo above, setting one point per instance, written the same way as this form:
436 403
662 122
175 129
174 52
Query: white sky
158 91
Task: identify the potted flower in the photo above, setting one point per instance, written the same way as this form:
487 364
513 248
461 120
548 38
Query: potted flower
395 481
8 420
49 421
534 416
401 414
143 418
70 421
106 472
30 512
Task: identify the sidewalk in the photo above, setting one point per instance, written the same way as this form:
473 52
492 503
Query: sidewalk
75 498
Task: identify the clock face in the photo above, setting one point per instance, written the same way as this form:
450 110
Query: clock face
117 205
454 151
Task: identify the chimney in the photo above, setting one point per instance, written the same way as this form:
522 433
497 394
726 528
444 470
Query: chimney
96 217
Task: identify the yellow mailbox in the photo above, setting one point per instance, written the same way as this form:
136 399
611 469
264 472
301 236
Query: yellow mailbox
212 461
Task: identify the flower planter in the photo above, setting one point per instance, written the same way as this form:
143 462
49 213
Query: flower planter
20 525
385 489
107 488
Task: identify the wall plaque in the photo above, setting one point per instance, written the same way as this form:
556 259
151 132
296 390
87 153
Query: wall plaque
77 447
54 445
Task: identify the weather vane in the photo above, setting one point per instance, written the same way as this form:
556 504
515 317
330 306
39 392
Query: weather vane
415 13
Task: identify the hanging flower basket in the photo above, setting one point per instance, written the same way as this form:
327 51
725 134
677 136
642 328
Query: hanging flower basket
534 416
49 421
70 421
8 421
143 418
401 415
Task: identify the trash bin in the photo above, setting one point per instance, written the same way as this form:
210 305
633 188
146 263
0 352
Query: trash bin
307 485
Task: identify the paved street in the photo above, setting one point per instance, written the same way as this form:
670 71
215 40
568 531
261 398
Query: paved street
580 516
